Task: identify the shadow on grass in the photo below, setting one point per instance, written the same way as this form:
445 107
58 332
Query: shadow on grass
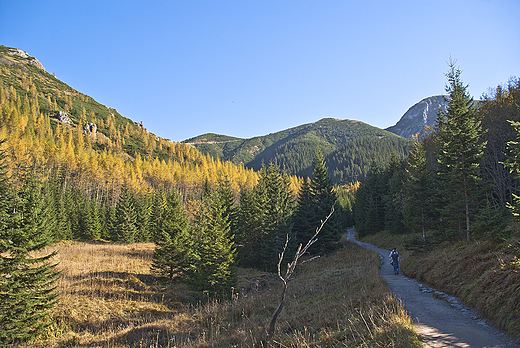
129 287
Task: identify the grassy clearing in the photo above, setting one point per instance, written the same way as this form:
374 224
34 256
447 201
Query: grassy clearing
109 299
484 274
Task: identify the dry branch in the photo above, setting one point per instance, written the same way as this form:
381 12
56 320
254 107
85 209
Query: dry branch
291 267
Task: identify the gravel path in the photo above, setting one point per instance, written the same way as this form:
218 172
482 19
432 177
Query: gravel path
442 320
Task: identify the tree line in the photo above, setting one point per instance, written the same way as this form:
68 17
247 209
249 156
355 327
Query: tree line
121 184
459 178
201 247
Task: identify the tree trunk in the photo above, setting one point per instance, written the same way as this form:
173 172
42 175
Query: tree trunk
468 230
270 331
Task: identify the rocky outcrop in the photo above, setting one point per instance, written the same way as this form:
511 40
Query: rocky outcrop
90 128
62 116
422 114
29 59
141 126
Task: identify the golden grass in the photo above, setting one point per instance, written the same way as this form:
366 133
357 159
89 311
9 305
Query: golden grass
483 274
110 299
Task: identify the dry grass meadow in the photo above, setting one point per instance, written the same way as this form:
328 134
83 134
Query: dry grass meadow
108 298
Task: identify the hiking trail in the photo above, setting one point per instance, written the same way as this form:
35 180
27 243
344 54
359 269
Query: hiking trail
441 320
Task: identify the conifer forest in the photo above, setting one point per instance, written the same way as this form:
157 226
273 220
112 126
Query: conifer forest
97 176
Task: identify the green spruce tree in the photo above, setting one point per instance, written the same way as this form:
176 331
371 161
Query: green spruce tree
394 199
126 217
93 220
250 226
264 219
280 206
419 204
227 198
27 282
63 224
109 231
323 199
171 239
212 251
143 211
303 217
460 154
158 206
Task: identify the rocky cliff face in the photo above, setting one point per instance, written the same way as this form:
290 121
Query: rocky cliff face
422 114
22 54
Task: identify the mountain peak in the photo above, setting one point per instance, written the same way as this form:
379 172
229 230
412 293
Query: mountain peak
211 138
420 115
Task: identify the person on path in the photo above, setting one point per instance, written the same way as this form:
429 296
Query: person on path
394 260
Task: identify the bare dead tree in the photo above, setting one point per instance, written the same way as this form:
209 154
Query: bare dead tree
291 267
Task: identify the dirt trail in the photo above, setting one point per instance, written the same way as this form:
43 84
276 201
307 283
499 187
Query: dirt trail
442 320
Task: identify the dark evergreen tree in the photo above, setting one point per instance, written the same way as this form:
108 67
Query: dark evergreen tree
491 222
63 225
369 207
420 194
461 151
323 199
158 206
27 282
394 199
75 202
303 218
212 253
226 196
126 217
110 230
171 238
280 207
263 219
495 111
93 220
143 211
250 226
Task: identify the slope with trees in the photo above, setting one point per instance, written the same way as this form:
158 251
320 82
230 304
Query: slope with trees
451 179
349 146
89 168
109 178
455 200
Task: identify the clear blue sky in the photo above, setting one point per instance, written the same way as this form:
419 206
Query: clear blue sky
252 67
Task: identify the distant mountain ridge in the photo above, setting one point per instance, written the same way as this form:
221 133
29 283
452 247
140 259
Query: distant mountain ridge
349 147
420 115
293 149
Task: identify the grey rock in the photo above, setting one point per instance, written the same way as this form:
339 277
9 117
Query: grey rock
23 54
90 128
62 116
422 114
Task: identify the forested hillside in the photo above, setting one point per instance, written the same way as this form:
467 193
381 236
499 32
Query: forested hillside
50 125
73 169
458 179
350 148
455 201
